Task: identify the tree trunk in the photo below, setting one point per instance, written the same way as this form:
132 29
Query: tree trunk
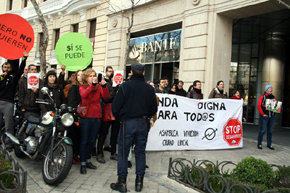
44 40
130 25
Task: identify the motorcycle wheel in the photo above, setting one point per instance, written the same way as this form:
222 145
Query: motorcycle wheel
18 152
55 171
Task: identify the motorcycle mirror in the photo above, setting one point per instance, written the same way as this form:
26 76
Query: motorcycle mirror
44 90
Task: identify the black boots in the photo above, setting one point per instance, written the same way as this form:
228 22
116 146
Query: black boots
139 183
120 185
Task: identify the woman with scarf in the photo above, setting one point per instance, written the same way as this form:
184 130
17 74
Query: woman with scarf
218 91
195 92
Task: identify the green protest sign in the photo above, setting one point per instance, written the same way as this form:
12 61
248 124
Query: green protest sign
74 50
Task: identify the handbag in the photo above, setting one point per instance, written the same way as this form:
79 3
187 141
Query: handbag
108 115
82 111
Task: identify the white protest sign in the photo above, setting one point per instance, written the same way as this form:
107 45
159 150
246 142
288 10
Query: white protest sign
118 78
187 124
273 105
32 80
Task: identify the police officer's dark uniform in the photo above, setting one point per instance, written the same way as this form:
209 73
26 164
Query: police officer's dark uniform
134 104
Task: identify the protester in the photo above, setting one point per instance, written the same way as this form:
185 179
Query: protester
27 97
166 85
161 87
195 92
134 104
73 100
219 91
68 85
236 95
115 125
91 93
55 91
8 84
173 89
267 118
179 90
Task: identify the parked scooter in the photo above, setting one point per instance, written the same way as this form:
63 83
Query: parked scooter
45 138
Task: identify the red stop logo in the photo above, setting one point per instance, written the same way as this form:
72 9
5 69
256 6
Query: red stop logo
33 81
233 132
118 78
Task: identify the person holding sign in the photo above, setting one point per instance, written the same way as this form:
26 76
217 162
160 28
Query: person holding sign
27 96
134 105
91 93
267 118
8 84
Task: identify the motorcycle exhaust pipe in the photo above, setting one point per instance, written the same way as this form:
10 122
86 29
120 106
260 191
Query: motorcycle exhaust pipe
12 138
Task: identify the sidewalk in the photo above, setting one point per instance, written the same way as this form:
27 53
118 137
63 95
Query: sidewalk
155 180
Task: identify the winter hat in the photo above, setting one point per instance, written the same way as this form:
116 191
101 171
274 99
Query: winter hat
51 72
267 87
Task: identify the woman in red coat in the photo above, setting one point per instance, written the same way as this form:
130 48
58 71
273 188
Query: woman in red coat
91 93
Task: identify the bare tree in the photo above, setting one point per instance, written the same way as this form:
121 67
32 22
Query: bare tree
130 19
44 40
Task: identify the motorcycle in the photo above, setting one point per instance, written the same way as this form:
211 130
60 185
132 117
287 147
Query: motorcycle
45 138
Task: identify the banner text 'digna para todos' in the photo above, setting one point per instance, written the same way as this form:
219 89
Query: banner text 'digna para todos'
187 124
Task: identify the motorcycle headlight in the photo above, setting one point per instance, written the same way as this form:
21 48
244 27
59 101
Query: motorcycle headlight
67 119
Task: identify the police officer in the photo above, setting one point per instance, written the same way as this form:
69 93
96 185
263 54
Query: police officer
133 105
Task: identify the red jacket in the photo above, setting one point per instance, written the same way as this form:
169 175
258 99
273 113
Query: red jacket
93 99
261 104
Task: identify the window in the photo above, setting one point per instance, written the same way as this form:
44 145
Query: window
92 35
53 66
25 3
9 4
75 27
92 28
56 36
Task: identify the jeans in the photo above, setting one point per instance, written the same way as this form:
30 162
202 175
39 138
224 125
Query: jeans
89 131
115 125
136 132
266 123
7 109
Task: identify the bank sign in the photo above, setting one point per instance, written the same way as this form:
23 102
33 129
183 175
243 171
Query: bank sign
157 48
187 124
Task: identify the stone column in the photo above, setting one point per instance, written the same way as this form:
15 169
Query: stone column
274 65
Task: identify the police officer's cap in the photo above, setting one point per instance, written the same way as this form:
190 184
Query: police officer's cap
137 66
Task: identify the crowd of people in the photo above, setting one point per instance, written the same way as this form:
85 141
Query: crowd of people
128 103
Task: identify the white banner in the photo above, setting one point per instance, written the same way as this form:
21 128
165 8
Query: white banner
188 124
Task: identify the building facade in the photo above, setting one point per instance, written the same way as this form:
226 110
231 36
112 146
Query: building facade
242 42
63 16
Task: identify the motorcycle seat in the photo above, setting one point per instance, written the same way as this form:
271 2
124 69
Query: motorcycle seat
32 117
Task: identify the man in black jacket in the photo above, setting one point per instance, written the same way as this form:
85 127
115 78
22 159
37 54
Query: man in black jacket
8 84
115 125
134 104
27 97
